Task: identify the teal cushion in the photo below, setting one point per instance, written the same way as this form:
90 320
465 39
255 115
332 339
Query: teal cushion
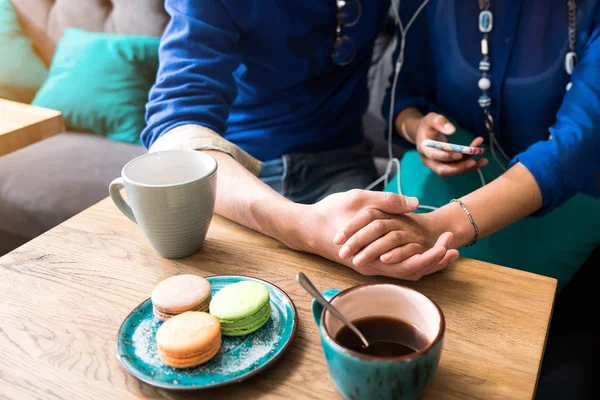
555 245
21 70
100 82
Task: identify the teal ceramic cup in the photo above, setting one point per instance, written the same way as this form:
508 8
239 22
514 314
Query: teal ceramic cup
361 376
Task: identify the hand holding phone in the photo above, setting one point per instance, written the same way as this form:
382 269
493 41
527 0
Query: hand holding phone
454 148
446 159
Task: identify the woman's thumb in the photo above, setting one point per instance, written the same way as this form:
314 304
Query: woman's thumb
441 124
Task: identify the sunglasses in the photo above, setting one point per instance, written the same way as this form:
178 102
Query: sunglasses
348 14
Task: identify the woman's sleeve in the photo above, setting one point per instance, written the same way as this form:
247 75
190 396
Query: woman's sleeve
569 162
195 86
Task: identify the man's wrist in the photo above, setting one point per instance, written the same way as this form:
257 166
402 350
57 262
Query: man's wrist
281 220
292 227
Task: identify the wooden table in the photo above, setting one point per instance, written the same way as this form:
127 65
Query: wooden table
22 125
64 295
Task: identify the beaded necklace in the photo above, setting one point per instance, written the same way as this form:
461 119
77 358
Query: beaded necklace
486 23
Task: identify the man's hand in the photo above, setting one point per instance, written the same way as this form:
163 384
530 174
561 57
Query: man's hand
390 238
246 200
321 221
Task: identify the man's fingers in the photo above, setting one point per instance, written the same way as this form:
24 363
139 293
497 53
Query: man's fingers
359 221
385 245
416 266
390 203
368 235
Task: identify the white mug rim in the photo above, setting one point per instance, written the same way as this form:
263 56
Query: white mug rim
212 171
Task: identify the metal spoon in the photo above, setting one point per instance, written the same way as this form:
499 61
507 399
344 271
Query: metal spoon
312 290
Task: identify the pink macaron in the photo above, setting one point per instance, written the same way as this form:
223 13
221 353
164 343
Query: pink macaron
180 293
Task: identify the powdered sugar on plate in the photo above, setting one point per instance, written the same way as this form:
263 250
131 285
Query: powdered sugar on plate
144 341
235 356
237 359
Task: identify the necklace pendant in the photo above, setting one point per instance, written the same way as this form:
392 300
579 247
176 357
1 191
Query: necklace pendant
570 61
486 21
484 46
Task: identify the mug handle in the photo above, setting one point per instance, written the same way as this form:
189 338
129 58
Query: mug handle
317 309
115 194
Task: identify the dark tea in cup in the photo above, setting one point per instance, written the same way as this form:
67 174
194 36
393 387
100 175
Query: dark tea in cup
387 337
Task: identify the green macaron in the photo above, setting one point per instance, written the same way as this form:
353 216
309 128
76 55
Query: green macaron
241 307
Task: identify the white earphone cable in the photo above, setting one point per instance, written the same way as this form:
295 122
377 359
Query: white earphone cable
393 161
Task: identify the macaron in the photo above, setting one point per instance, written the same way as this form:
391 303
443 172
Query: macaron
180 293
241 307
188 339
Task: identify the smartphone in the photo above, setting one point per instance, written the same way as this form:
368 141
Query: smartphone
455 148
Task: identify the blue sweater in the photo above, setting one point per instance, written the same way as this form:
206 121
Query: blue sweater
528 44
258 73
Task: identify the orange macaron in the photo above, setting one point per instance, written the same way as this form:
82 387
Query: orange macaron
188 339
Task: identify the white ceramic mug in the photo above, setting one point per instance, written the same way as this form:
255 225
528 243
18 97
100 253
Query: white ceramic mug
171 196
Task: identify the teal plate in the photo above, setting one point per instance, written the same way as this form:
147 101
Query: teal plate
239 357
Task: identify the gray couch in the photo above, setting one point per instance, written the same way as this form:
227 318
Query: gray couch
46 183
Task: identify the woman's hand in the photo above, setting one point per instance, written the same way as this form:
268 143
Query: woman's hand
319 223
444 163
375 236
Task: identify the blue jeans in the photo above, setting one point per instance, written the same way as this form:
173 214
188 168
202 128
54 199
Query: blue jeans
308 178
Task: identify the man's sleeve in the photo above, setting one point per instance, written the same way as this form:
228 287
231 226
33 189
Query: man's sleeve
189 103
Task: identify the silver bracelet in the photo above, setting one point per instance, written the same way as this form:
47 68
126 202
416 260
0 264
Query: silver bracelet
475 227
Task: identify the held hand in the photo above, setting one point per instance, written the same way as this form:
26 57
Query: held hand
444 163
321 221
373 235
